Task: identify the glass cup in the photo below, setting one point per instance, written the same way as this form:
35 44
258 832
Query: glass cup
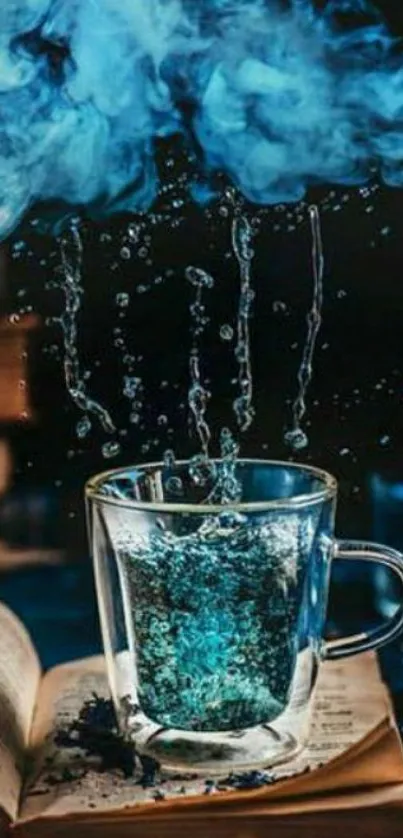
213 613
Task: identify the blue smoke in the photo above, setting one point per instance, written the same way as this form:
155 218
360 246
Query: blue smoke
277 99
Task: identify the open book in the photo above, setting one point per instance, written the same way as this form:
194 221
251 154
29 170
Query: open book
351 774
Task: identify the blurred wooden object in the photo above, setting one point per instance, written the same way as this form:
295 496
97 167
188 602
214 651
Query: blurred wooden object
14 391
6 466
15 407
13 559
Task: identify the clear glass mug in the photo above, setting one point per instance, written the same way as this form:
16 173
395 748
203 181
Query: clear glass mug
213 615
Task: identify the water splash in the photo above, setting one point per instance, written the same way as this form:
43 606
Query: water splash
133 387
241 235
227 488
276 98
71 247
296 438
198 396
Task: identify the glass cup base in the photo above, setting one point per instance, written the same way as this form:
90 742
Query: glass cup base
217 754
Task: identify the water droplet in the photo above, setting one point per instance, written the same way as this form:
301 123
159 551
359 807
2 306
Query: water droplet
296 439
279 307
110 449
199 278
83 427
131 385
226 332
133 232
202 470
169 458
19 246
122 300
341 294
14 319
162 420
384 440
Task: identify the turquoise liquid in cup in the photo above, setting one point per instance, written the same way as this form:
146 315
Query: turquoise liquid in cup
217 617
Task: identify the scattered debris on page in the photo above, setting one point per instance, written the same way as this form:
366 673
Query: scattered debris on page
95 733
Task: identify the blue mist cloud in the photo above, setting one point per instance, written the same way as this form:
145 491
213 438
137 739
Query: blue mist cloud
277 99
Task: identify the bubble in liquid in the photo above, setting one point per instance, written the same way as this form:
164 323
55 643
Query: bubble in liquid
174 485
296 439
83 427
226 332
14 319
231 520
125 253
162 420
110 449
122 300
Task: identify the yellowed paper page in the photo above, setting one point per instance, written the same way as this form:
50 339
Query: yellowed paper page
20 675
341 721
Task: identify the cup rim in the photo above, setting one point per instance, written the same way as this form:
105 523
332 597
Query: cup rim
328 491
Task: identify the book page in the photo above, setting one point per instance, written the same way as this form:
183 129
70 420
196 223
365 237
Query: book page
68 782
20 675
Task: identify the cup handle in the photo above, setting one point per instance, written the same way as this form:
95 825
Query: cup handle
335 649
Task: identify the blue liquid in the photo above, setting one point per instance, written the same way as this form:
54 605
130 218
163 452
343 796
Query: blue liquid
219 616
